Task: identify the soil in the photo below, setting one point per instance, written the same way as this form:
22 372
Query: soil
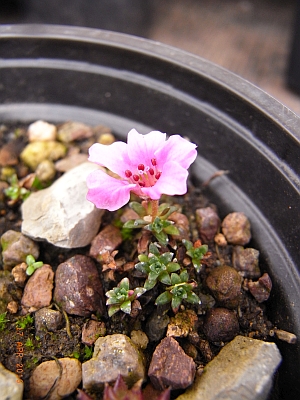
252 316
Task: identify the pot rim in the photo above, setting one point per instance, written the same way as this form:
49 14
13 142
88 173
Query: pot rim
250 93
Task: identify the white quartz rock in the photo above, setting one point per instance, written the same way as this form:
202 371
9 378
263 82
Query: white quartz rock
61 214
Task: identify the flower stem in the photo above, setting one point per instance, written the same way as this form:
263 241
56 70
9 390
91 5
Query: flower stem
154 209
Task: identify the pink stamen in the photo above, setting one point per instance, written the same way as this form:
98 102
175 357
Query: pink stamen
157 175
153 162
141 167
151 171
128 173
136 177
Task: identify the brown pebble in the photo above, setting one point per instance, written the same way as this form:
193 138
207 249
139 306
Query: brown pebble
12 307
91 331
220 240
224 282
220 325
236 228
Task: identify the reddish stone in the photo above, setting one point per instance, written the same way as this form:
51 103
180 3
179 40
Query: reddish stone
107 240
208 223
170 366
38 290
78 288
261 289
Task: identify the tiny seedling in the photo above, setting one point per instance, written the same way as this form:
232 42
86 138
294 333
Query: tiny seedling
196 251
121 297
24 322
159 226
32 265
180 289
15 191
157 266
29 344
3 321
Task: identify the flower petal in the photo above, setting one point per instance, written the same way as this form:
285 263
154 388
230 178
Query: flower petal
172 182
141 148
177 149
106 192
114 157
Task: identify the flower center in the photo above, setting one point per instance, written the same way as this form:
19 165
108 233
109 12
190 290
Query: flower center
144 176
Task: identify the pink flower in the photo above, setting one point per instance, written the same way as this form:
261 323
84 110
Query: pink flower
148 165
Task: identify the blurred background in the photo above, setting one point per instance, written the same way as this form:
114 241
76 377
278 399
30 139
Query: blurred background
256 39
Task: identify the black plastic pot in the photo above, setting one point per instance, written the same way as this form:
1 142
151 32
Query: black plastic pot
61 73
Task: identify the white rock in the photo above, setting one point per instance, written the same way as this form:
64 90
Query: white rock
41 131
61 214
243 369
11 386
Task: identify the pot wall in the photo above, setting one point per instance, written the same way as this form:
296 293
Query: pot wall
60 73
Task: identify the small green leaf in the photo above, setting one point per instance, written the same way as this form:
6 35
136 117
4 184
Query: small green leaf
37 264
138 208
124 284
30 270
175 279
163 298
126 307
166 258
171 230
142 267
153 276
143 258
193 298
153 249
184 276
139 291
164 278
135 224
113 309
162 237
30 259
175 304
172 267
188 244
148 285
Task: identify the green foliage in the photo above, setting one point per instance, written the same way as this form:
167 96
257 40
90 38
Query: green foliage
83 354
76 354
3 321
157 266
88 353
24 322
160 227
15 191
29 344
32 265
195 252
121 297
180 289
